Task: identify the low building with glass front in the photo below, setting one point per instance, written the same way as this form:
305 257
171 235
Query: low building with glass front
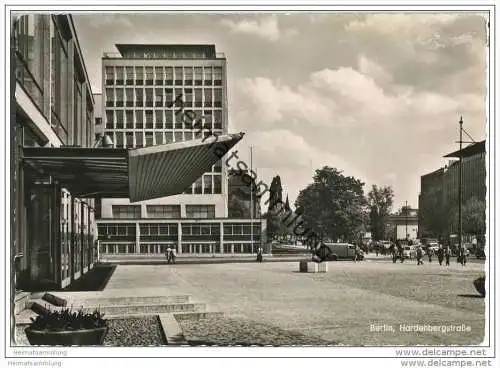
53 230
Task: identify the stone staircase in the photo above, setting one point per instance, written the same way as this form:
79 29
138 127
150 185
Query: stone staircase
169 308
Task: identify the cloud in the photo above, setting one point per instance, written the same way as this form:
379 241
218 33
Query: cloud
266 28
110 20
354 118
401 24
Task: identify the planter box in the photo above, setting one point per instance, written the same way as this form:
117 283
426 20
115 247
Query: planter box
323 267
313 267
90 337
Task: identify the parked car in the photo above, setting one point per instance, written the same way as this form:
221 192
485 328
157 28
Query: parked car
342 251
434 246
409 252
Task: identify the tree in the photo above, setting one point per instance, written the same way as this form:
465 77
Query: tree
275 201
474 218
333 205
380 202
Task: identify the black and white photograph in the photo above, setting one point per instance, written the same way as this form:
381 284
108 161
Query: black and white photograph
245 181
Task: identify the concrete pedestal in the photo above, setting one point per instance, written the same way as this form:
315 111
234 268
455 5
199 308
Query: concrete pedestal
323 267
313 267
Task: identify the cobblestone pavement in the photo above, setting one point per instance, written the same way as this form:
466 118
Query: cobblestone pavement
221 331
127 331
134 331
342 305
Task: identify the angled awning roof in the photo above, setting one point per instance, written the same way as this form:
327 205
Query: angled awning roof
472 149
138 174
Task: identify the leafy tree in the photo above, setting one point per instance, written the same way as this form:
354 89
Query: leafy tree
474 218
333 205
380 202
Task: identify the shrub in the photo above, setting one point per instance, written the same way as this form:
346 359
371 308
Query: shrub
66 319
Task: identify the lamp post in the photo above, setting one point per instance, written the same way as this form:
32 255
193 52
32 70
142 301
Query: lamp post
251 199
460 142
406 219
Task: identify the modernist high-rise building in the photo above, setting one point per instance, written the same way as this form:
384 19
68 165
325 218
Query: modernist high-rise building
148 93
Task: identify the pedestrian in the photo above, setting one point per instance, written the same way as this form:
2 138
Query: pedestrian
420 254
259 255
394 253
447 255
376 248
173 255
440 254
463 256
357 254
168 254
429 254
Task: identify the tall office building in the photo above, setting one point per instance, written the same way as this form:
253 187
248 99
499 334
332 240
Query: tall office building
438 199
160 94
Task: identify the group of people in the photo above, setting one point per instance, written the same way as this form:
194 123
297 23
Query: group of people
443 254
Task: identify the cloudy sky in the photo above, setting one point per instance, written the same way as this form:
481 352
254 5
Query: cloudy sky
376 95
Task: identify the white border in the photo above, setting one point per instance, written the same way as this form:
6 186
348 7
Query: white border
254 6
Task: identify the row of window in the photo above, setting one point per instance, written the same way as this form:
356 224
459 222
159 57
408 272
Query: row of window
108 229
138 139
186 248
160 97
167 54
160 75
162 119
163 211
43 55
241 229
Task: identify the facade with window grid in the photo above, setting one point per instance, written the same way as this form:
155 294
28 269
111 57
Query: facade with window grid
186 236
53 231
140 86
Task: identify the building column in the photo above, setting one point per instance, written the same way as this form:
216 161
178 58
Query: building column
179 237
221 237
137 238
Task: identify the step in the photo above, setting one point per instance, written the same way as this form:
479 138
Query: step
23 318
20 301
172 330
113 310
128 300
197 315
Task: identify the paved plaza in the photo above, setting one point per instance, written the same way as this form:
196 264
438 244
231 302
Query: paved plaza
367 303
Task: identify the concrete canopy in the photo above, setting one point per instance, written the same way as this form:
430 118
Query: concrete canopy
138 174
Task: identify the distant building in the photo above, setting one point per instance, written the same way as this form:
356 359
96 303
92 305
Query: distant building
404 225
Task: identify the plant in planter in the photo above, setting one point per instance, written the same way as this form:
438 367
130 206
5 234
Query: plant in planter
67 328
479 284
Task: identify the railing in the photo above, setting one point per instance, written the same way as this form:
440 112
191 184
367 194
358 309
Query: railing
117 55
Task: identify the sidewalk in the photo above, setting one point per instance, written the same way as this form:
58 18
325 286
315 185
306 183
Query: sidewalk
196 259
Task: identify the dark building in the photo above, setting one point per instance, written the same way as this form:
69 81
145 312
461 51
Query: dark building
438 200
431 204
239 196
